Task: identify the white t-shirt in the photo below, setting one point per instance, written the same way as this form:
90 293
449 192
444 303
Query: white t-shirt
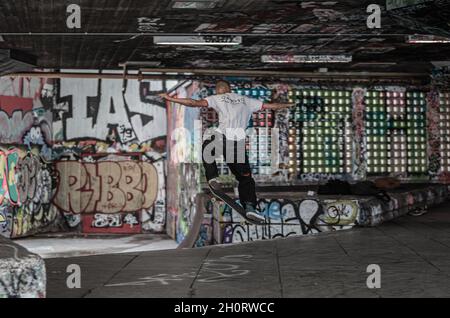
235 112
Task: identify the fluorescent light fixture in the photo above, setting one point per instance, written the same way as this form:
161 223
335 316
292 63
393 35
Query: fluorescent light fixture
413 39
197 4
374 64
197 40
342 58
441 63
142 63
396 4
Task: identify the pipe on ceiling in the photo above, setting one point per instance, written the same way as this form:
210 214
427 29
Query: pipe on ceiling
246 34
57 75
183 74
265 73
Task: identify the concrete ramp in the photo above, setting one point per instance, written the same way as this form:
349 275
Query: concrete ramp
22 274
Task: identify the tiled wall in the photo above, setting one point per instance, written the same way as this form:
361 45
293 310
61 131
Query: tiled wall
327 130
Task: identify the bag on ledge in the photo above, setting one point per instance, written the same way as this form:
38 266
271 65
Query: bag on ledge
387 183
369 188
335 187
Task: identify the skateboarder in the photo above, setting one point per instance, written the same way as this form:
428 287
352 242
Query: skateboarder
235 112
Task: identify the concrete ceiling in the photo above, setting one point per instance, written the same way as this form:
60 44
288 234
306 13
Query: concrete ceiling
268 27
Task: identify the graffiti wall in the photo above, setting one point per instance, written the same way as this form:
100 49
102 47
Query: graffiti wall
87 155
434 136
124 115
346 132
184 173
106 186
26 193
334 131
109 155
285 217
26 180
25 116
110 192
308 215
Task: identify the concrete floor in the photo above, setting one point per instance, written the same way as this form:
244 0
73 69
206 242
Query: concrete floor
412 252
67 246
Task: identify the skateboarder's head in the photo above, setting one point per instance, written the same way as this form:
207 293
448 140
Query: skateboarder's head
222 87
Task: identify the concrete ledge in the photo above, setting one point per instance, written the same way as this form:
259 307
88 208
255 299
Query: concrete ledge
294 213
375 212
22 274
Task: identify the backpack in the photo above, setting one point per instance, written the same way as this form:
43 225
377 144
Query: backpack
335 187
370 189
387 183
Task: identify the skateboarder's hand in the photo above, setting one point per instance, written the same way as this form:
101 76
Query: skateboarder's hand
164 96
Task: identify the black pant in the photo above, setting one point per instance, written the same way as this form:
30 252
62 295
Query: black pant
241 170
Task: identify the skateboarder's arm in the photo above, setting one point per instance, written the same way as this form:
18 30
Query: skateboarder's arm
276 106
185 101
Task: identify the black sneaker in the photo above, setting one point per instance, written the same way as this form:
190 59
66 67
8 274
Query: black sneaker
215 185
419 211
252 214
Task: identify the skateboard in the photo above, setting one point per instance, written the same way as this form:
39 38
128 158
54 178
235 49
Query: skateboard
233 204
